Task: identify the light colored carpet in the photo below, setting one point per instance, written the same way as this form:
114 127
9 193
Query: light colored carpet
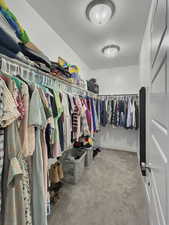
110 193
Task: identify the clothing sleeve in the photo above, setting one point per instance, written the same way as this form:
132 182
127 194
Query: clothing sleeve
8 108
37 115
14 170
53 105
13 150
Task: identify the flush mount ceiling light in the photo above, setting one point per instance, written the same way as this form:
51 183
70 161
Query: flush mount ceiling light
111 51
100 12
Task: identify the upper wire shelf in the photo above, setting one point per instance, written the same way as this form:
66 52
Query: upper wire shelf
13 67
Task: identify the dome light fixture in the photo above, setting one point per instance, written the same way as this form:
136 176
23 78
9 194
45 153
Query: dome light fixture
99 12
111 51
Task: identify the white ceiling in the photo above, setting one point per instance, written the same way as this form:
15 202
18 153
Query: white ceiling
126 29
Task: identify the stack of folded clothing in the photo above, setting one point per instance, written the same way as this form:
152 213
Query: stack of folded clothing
34 54
15 42
59 71
9 43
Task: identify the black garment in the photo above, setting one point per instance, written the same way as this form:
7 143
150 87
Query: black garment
136 115
69 105
42 66
61 131
48 138
71 115
121 113
112 112
126 113
97 106
103 114
35 55
53 104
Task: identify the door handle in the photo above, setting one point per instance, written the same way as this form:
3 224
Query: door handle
146 166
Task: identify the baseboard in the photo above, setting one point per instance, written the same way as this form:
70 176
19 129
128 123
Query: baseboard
125 149
147 196
121 150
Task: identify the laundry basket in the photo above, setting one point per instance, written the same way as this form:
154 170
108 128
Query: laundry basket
73 162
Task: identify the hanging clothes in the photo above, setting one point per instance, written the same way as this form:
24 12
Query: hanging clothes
38 119
16 185
61 121
84 124
8 114
57 111
76 118
89 115
48 114
103 114
67 121
35 124
120 112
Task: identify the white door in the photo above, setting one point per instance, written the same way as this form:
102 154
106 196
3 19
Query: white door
158 149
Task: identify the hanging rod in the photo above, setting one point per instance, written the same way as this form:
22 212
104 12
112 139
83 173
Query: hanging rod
118 95
14 67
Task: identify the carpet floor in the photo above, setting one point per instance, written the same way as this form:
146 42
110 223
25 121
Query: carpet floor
110 192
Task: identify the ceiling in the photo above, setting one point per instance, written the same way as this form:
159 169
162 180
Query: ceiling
126 29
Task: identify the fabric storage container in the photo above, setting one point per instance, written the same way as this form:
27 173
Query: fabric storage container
89 156
73 162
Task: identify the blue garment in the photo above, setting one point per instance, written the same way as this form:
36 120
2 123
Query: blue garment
5 51
12 23
8 42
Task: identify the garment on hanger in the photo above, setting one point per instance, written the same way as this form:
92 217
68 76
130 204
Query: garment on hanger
8 114
38 124
38 120
103 113
120 112
16 187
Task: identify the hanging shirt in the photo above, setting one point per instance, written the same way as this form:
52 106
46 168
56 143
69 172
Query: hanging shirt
84 123
133 113
129 114
60 125
55 142
8 108
14 192
38 192
76 118
103 113
8 113
67 121
89 115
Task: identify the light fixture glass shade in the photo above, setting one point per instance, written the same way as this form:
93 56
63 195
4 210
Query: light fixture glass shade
111 51
99 12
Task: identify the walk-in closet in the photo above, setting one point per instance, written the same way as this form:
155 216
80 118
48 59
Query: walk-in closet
84 112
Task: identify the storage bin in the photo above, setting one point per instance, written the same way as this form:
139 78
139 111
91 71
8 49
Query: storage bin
73 162
89 156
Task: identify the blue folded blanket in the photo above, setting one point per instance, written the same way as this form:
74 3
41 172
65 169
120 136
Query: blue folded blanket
8 42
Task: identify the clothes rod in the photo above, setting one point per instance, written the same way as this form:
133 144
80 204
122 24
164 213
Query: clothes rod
13 67
118 95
